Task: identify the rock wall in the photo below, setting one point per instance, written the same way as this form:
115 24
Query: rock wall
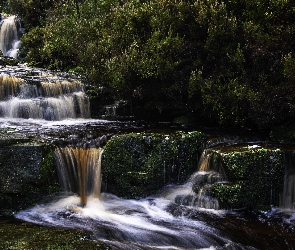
27 173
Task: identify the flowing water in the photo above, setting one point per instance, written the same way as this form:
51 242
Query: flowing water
53 108
80 171
10 36
169 219
288 197
49 97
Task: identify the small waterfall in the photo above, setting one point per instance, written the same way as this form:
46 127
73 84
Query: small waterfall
9 86
288 196
210 171
9 36
80 171
54 99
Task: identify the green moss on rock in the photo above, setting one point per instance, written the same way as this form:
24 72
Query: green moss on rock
137 165
20 235
27 174
255 179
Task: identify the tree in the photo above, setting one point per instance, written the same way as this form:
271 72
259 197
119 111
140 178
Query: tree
216 61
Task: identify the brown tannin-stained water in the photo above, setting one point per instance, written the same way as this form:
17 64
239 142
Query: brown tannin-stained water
156 222
80 171
177 217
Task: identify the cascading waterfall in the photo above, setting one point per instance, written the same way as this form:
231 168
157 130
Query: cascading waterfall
210 171
9 36
49 98
36 94
124 224
80 171
156 222
9 86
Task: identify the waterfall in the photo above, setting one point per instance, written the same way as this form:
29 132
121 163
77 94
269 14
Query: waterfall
288 196
80 171
9 36
45 98
9 86
210 171
36 94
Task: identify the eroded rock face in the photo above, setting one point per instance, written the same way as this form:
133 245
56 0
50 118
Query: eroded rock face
27 173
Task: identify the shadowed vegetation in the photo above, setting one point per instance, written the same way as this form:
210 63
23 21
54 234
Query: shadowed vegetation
219 62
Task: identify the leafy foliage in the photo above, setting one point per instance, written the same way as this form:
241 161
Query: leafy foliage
226 62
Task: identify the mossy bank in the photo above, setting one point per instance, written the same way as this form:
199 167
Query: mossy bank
136 165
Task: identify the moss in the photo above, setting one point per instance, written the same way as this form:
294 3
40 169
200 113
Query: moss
48 172
28 174
20 235
255 179
137 165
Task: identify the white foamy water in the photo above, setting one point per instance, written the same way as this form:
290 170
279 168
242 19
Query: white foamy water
9 39
129 224
30 123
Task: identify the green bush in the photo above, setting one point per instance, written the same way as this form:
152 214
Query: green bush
223 62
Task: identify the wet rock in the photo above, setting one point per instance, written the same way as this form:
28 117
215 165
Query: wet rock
27 173
136 167
255 177
103 140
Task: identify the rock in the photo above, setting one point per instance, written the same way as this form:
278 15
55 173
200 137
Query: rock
27 173
136 165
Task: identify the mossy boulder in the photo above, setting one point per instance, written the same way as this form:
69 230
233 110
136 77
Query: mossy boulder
27 173
136 165
255 178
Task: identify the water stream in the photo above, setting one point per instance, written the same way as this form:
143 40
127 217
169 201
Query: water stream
50 107
10 30
166 220
127 224
174 218
288 196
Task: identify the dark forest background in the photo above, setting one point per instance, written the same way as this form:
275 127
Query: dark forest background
229 63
